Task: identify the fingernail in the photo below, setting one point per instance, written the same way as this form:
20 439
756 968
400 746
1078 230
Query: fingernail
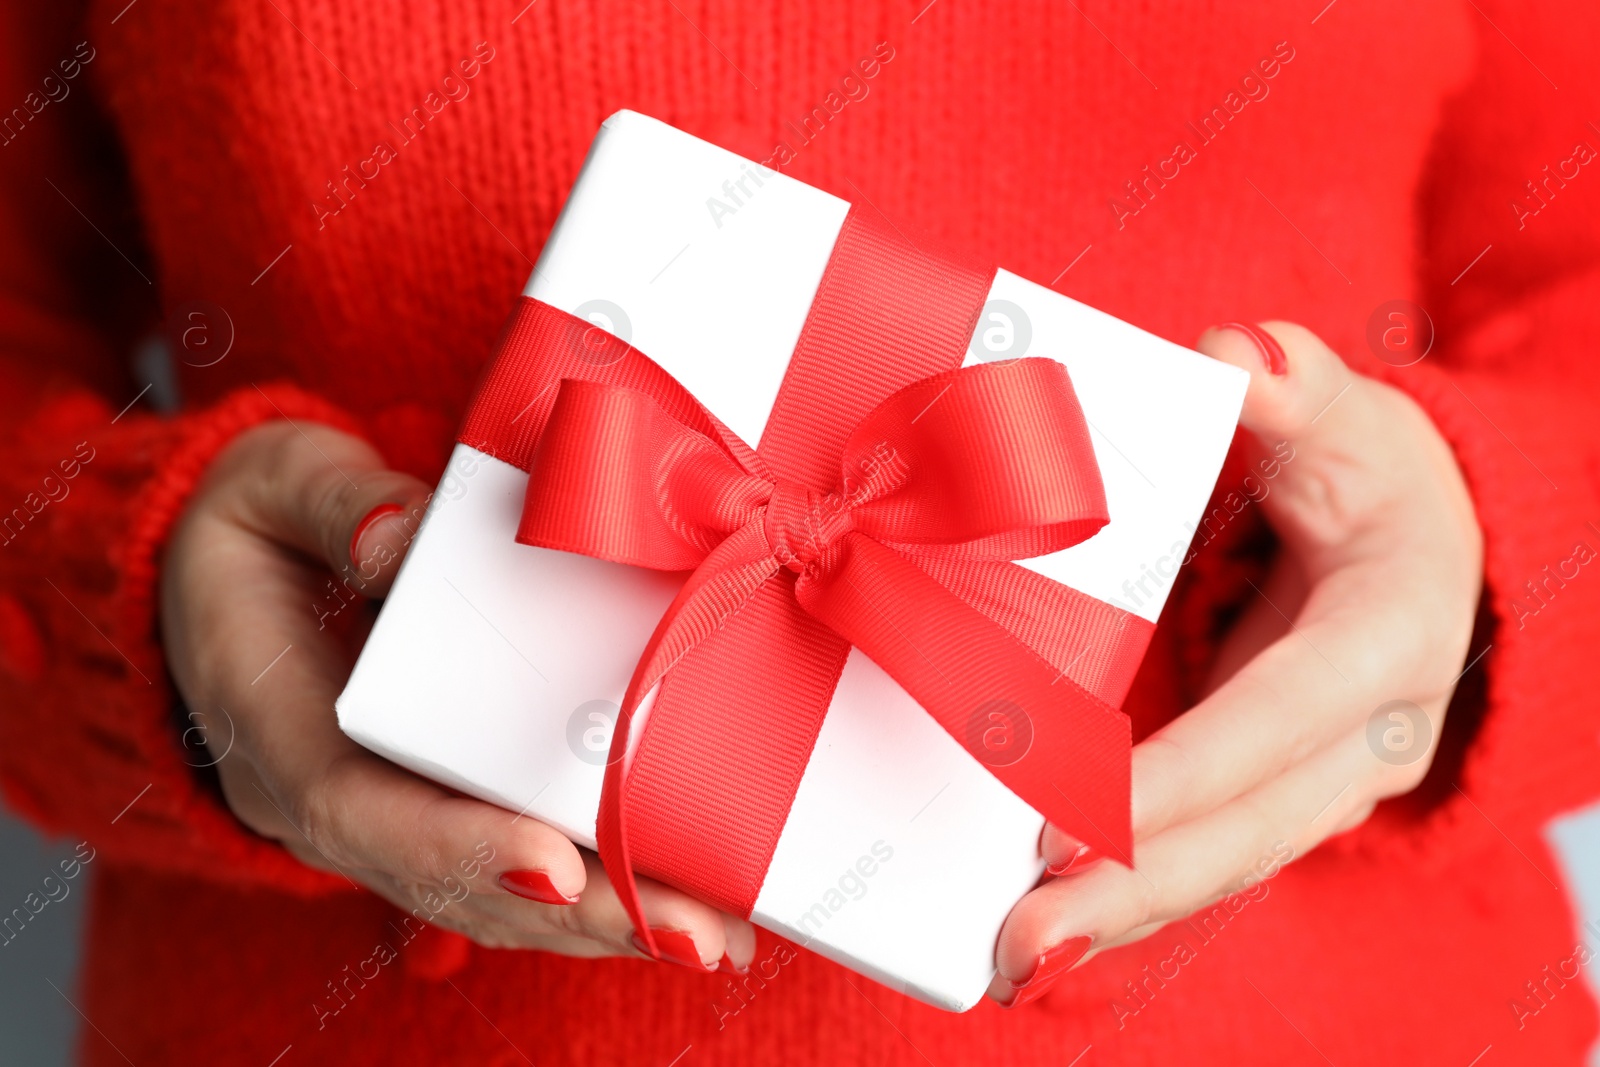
1058 869
1271 352
534 885
674 946
727 966
379 512
1053 963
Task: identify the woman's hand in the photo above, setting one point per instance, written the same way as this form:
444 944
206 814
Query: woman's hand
1379 573
244 599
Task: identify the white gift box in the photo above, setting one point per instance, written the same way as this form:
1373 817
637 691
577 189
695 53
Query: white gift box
496 668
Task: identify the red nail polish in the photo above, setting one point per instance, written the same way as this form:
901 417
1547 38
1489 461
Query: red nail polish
1053 963
674 946
1271 352
726 966
534 885
381 511
1058 869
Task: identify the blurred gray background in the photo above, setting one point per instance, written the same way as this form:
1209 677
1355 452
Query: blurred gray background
37 1025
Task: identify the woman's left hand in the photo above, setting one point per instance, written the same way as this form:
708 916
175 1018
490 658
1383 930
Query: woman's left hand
1370 601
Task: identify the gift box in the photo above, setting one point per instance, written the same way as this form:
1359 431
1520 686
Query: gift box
690 303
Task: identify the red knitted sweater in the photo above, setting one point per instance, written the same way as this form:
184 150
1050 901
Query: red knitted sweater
1177 164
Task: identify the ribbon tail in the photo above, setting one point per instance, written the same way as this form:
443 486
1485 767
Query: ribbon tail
1097 645
611 825
1062 750
730 575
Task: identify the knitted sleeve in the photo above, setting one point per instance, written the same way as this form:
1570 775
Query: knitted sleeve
1510 218
90 484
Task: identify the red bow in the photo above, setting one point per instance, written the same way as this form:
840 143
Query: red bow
986 464
938 485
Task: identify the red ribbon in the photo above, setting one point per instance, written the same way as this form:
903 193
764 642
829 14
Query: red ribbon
882 510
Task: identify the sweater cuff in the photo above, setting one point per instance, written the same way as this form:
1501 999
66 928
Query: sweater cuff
195 802
121 779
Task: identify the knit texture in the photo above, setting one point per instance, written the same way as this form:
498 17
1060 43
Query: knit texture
355 193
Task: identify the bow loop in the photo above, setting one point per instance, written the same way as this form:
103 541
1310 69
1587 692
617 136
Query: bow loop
618 477
994 462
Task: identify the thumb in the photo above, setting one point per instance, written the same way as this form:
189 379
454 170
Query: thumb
329 495
1355 463
1297 383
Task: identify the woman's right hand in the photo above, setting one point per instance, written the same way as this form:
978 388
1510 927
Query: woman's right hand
244 574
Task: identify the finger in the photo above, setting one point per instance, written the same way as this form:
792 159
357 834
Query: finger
1188 869
363 811
329 495
1350 466
1300 694
1355 817
686 931
1062 852
1295 379
739 937
1226 852
1303 408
